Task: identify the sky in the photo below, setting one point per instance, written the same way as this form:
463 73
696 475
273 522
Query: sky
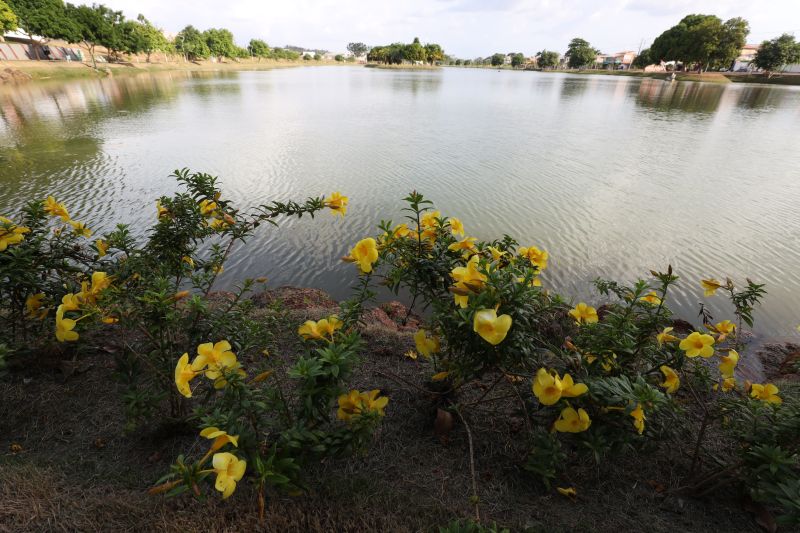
464 28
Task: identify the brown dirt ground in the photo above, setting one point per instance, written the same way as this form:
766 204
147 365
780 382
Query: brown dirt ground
77 471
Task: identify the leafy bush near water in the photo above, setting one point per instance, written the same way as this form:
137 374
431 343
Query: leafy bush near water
588 380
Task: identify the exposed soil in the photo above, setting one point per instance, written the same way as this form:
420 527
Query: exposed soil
78 471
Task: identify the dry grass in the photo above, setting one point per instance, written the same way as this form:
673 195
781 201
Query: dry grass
78 472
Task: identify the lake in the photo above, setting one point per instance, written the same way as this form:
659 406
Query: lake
612 175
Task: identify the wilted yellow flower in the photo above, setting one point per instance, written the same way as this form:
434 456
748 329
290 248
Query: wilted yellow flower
638 418
584 314
186 372
724 328
547 387
568 492
492 328
651 298
698 344
10 233
411 354
110 320
188 260
102 247
440 376
80 229
537 257
162 211
337 204
572 421
766 393
221 438
728 384
64 327
365 253
55 209
354 404
665 336
727 364
710 286
456 227
229 470
33 306
427 346
671 380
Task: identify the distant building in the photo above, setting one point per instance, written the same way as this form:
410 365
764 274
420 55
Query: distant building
618 61
745 60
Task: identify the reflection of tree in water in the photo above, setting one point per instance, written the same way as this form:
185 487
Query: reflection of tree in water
48 131
573 87
210 83
760 97
415 82
660 95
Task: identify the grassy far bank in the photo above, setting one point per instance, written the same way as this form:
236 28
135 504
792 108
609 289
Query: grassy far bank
47 70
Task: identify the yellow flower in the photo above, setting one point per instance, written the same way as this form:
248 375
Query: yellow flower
229 470
572 421
427 346
547 387
440 376
671 380
71 302
80 229
465 244
163 212
724 328
354 404
491 327
728 384
411 354
220 437
186 372
401 231
698 344
665 336
110 320
33 306
765 393
710 286
568 492
337 203
727 364
583 313
215 358
467 279
55 209
188 260
496 253
638 418
428 220
537 257
102 247
365 253
10 233
570 389
207 207
651 298
64 327
318 330
456 227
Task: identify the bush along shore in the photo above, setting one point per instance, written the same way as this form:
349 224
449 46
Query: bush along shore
135 396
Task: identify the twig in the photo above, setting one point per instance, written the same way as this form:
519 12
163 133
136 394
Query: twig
474 498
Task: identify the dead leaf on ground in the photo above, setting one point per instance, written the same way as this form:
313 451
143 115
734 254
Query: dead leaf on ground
443 424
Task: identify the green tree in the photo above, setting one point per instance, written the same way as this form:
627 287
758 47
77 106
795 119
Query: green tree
414 52
317 57
190 43
776 53
517 60
148 38
338 57
433 53
701 40
8 20
498 59
358 49
643 59
733 36
220 42
43 18
258 48
580 53
97 25
547 59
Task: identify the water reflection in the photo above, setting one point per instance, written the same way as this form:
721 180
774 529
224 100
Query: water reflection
665 96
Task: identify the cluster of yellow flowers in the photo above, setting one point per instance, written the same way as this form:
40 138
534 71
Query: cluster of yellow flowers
57 209
213 359
549 388
10 233
354 404
322 329
89 294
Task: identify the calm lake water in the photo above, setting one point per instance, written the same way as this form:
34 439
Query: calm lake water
612 175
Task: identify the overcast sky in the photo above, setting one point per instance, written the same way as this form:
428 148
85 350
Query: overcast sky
465 28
